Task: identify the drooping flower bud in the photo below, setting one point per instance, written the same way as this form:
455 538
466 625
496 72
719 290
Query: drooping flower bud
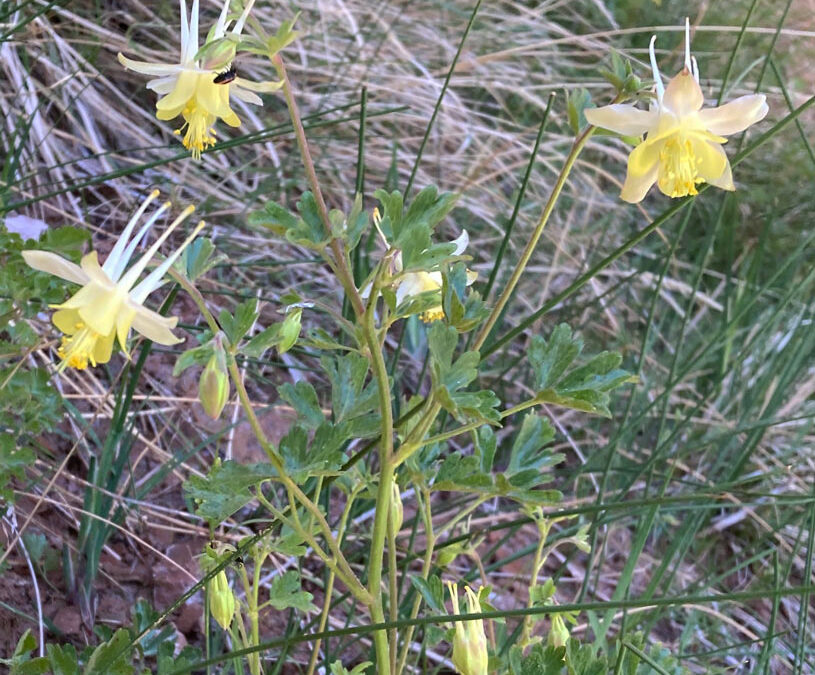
558 633
218 53
213 387
221 600
397 511
470 655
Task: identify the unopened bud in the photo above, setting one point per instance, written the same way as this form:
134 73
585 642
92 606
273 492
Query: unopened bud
290 330
213 387
397 511
217 54
470 655
558 633
221 600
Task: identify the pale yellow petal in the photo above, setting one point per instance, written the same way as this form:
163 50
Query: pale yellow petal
173 103
66 320
431 281
103 348
148 68
643 163
214 98
622 119
711 160
45 261
735 116
154 326
162 85
100 308
90 266
246 96
725 181
683 95
123 323
462 241
408 286
169 114
264 87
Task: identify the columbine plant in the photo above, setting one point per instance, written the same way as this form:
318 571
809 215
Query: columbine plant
359 436
199 87
111 301
683 141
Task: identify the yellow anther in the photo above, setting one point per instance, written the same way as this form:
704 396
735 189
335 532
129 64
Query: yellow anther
678 168
77 350
431 315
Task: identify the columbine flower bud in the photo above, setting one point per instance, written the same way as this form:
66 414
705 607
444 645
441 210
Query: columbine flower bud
213 387
397 512
558 633
470 655
218 53
221 600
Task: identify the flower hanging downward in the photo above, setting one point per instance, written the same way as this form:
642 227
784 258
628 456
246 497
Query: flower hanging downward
110 301
470 656
683 143
411 284
199 86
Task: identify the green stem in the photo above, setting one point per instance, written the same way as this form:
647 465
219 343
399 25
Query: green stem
339 567
427 517
251 592
410 445
329 589
383 496
393 591
540 559
506 294
461 515
354 586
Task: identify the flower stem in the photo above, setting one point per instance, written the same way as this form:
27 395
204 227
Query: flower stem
427 564
383 496
347 574
329 588
393 591
543 533
506 294
341 264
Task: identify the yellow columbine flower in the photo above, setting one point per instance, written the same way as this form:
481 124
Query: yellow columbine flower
188 88
411 284
110 301
470 655
682 147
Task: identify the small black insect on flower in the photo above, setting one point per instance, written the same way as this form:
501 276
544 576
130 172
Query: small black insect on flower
227 76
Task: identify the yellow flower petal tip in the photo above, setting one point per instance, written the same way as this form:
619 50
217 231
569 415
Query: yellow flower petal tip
195 88
683 141
111 298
